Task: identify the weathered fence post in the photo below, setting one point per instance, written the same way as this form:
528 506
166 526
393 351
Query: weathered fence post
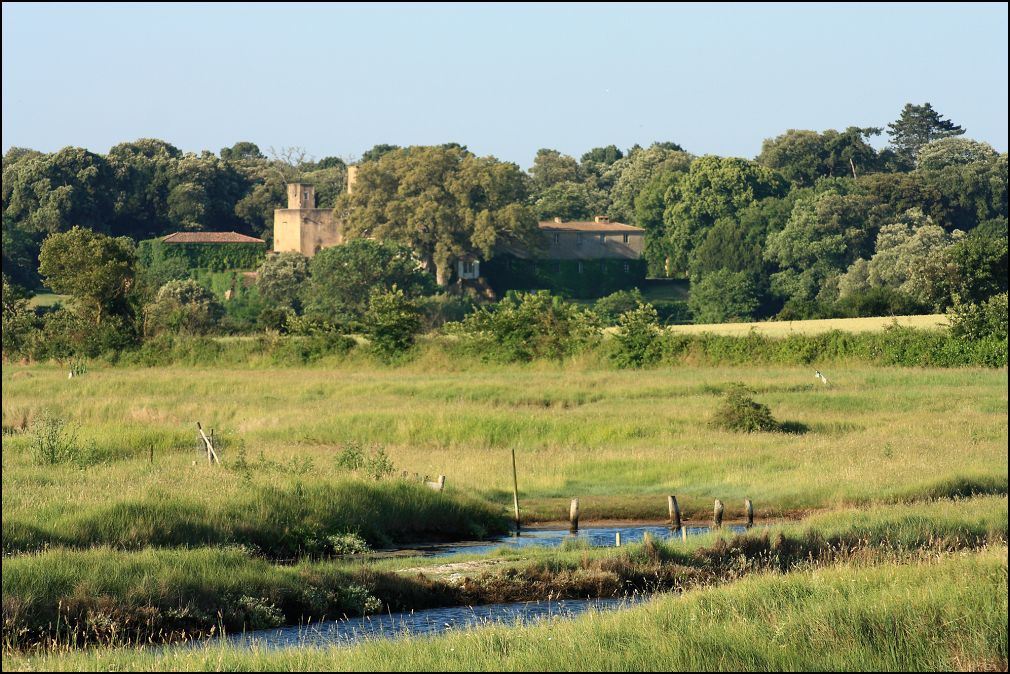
617 540
515 489
717 522
573 516
748 505
441 482
211 454
150 451
674 508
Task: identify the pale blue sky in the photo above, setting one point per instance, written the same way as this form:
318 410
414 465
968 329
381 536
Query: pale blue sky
502 79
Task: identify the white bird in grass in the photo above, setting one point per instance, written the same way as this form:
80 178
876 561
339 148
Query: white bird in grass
821 377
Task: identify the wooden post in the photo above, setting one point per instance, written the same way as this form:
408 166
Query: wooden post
674 507
717 522
683 533
515 489
441 482
150 452
573 516
211 454
617 540
749 507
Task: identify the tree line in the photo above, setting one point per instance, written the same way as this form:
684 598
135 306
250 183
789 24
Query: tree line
819 224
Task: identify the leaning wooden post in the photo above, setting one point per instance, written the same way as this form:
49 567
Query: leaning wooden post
674 507
717 522
573 516
749 507
515 489
211 454
617 539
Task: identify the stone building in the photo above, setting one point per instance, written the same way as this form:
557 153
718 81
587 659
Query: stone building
303 228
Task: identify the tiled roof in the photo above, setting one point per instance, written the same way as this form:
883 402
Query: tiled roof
210 237
595 227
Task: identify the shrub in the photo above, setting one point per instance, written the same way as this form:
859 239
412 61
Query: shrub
525 326
280 279
611 307
53 440
637 342
391 322
739 412
182 306
723 297
979 321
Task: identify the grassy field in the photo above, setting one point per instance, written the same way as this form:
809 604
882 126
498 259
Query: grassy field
619 440
888 456
813 327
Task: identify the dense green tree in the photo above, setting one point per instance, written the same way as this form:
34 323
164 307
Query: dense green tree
377 151
825 234
550 168
242 150
341 278
954 151
631 174
444 203
901 260
602 156
97 270
330 163
803 157
281 279
713 188
570 201
916 126
724 296
182 306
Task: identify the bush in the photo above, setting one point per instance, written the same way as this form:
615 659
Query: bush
391 322
611 307
637 342
526 326
739 412
53 440
987 319
182 306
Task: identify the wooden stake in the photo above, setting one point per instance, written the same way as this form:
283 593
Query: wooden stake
674 508
717 522
150 451
573 516
211 454
515 489
617 539
749 507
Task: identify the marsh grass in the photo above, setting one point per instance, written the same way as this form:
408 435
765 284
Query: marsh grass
945 613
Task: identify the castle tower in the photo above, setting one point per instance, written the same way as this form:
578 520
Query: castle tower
301 195
303 228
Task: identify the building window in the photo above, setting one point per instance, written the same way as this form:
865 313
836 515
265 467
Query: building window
627 267
578 239
625 238
557 239
468 268
580 267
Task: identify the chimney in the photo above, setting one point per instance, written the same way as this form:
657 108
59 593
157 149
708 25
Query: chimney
557 219
602 219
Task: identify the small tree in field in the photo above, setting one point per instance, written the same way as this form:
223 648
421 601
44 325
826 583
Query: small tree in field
391 322
638 338
183 306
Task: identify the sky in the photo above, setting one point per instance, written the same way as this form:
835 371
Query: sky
502 79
